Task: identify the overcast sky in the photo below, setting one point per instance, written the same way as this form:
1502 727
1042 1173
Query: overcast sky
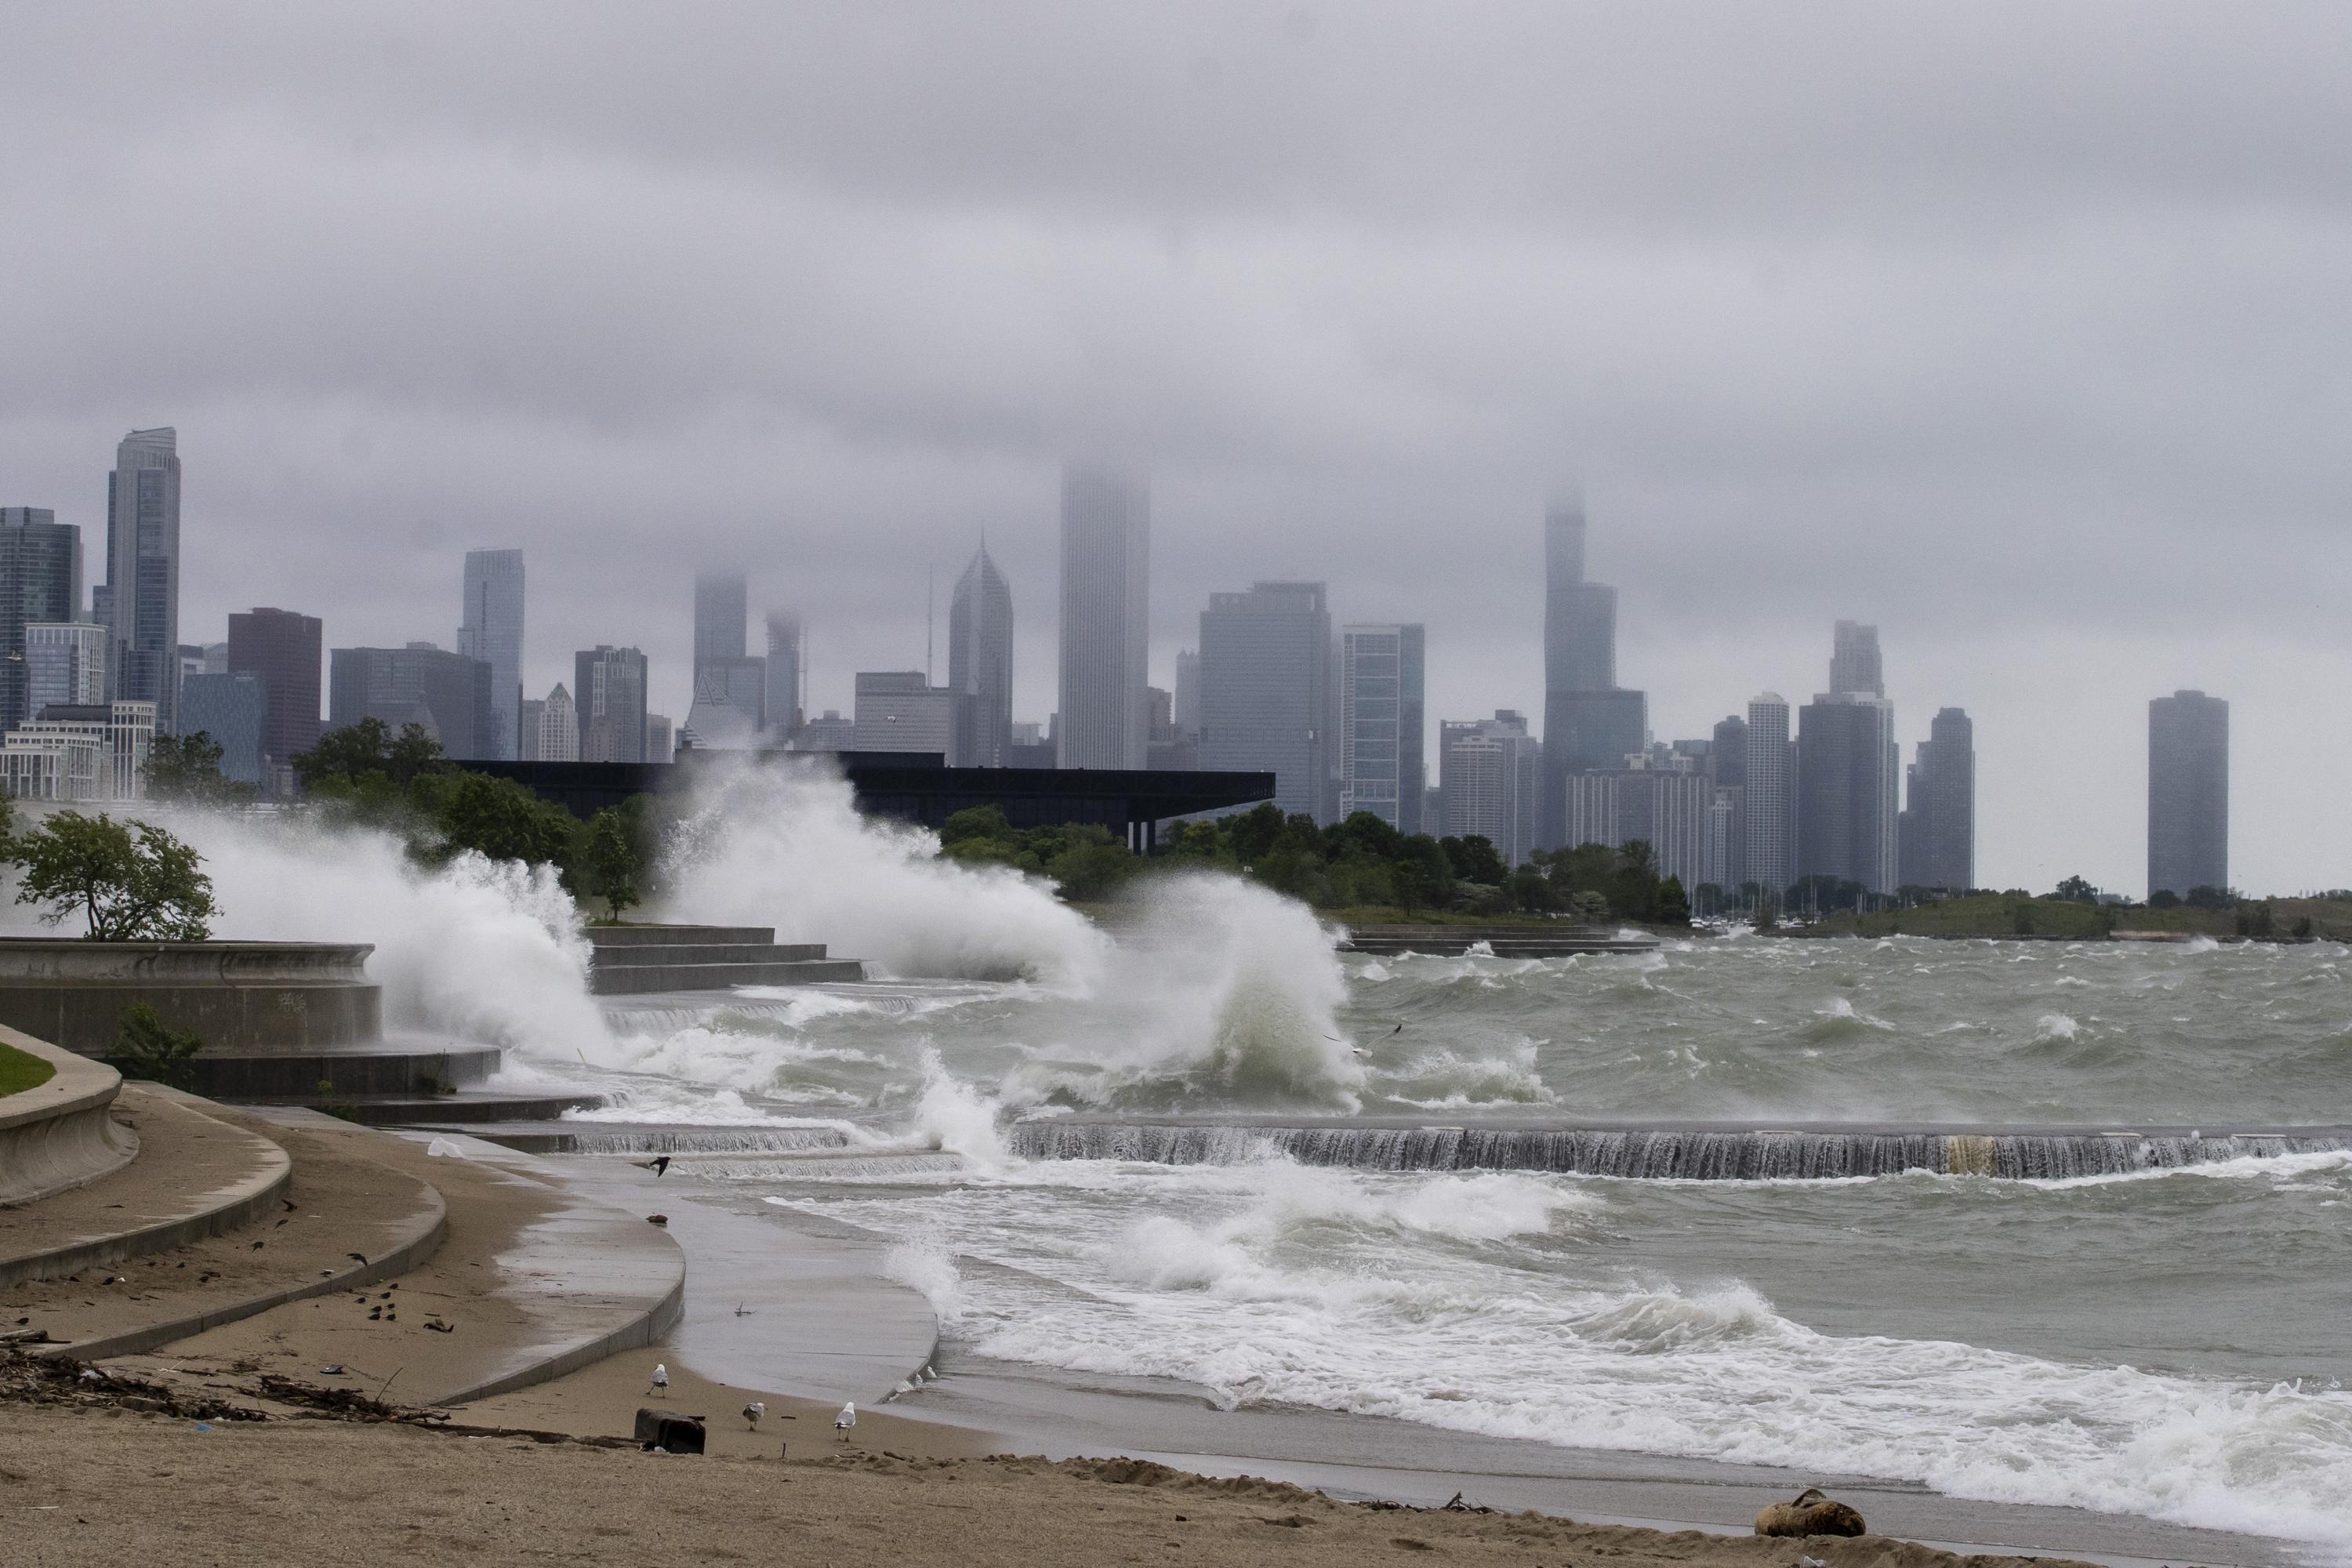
2022 330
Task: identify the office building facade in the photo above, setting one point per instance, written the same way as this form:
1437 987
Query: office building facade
445 693
1490 784
232 711
1939 831
40 582
95 751
1265 691
1770 796
65 665
980 662
492 632
901 710
1666 807
1854 662
608 694
1381 723
1847 790
557 732
2188 792
1106 606
143 572
284 648
787 643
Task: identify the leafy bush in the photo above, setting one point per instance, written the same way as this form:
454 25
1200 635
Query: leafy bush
147 1047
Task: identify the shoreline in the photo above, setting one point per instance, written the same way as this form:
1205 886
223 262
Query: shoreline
733 1239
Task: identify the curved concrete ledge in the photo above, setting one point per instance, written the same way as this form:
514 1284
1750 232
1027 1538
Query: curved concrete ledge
390 1265
656 1324
32 958
250 1176
61 1134
239 995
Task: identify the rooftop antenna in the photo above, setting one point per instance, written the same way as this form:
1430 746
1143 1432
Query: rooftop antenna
930 591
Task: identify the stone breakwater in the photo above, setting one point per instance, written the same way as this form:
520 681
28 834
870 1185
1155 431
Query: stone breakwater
1665 1154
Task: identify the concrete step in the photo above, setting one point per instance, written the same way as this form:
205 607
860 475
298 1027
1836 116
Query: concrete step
532 1282
197 1176
295 1076
60 1134
709 953
637 979
463 1108
604 937
342 1203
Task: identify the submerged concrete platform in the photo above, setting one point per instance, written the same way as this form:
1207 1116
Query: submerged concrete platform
1499 942
632 960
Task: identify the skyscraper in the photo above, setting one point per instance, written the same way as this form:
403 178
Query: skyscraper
2188 792
731 687
1726 858
1185 702
143 572
559 727
1939 823
1490 774
609 696
65 665
445 693
1588 723
1847 790
231 710
40 582
1770 795
1381 723
284 648
492 632
1106 620
980 662
1266 690
901 710
785 647
1854 663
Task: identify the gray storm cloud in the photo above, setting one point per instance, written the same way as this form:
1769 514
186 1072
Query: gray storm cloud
2019 331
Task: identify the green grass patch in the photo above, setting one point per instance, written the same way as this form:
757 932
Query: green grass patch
21 1070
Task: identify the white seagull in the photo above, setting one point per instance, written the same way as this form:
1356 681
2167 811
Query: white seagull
754 1411
844 1422
660 1380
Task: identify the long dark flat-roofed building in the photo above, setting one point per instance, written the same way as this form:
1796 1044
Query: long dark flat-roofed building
2188 792
446 692
283 649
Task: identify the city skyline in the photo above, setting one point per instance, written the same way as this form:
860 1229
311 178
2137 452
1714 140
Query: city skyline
1354 324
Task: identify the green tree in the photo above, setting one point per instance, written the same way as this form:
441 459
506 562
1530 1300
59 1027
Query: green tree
1474 860
1419 874
129 881
1674 906
355 753
493 817
2077 890
613 858
187 768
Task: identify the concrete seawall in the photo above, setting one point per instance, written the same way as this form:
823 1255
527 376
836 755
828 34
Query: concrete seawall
62 1134
252 997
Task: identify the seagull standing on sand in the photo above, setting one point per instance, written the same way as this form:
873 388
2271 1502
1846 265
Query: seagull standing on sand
844 1422
754 1411
659 1383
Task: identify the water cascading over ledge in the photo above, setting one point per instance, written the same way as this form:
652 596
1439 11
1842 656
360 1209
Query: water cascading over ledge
1666 1154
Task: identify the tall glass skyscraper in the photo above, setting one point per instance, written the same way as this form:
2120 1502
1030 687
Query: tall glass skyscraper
1770 799
1265 691
492 633
1380 722
1589 722
284 647
143 572
980 662
40 583
1105 718
1939 822
2188 792
786 646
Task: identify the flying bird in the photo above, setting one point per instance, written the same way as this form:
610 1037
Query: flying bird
1397 1030
659 1381
844 1422
658 1164
754 1411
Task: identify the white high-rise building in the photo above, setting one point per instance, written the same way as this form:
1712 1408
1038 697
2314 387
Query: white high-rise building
558 728
492 632
1105 719
1490 774
142 573
65 662
1772 795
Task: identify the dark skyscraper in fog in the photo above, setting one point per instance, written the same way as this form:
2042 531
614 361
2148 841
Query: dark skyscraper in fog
1589 722
283 649
40 582
142 573
980 663
1938 830
2188 792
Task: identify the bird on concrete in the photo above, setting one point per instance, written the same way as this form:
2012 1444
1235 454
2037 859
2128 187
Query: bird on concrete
356 1257
844 1422
659 1384
754 1411
658 1164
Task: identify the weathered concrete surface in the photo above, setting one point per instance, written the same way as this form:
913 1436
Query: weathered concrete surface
530 1282
60 1134
197 1176
348 1221
240 996
635 961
